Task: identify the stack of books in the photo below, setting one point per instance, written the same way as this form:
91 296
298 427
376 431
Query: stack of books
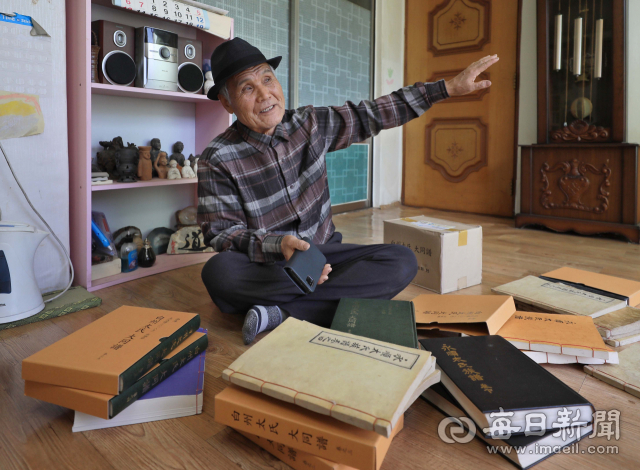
621 327
509 400
626 375
103 368
99 178
324 393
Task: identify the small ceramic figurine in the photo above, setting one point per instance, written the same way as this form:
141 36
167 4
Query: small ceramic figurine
194 163
187 172
145 167
174 173
155 150
161 165
178 147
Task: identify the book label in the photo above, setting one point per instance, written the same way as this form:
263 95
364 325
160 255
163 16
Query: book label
582 293
376 351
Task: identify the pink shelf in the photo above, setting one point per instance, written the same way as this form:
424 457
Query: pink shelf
163 263
133 92
209 120
144 184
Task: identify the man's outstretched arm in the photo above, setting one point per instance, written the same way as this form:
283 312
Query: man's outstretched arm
344 125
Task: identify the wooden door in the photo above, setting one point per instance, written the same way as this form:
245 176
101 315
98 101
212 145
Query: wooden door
460 155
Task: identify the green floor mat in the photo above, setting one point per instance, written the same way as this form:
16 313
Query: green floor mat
75 299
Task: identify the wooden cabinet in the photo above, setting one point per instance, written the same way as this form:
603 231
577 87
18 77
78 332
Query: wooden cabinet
586 188
581 176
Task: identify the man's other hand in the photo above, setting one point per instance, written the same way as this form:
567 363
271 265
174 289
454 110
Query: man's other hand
465 82
290 244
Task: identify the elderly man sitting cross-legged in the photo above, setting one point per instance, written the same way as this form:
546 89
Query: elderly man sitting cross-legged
262 186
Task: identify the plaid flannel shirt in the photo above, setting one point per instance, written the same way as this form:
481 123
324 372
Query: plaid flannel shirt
253 189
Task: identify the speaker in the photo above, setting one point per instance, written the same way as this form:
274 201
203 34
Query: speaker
190 76
117 49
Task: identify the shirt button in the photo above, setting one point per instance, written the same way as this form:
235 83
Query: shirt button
291 186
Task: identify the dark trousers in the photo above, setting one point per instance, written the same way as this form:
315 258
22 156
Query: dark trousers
358 271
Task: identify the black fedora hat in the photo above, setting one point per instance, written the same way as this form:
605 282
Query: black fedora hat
232 57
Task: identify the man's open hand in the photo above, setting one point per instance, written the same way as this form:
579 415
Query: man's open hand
290 244
465 82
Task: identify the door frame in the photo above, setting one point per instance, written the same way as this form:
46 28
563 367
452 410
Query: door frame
517 107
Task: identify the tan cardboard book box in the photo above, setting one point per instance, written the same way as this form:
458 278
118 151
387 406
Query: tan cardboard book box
449 253
107 406
472 315
112 353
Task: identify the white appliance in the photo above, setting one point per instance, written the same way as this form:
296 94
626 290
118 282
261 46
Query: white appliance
20 296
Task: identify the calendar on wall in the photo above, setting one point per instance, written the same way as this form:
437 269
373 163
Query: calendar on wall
180 12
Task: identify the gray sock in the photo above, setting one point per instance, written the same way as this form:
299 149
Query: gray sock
259 319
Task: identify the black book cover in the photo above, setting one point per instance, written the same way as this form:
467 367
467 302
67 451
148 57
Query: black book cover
494 374
515 441
520 440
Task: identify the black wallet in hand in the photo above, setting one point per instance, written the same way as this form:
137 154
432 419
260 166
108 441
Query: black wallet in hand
304 268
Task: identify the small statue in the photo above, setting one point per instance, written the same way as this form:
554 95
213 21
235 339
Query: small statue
145 167
187 172
161 165
178 147
194 162
155 150
174 173
127 163
107 157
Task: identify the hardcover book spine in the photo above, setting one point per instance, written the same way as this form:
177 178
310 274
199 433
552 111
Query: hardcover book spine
296 459
415 329
146 363
166 368
313 439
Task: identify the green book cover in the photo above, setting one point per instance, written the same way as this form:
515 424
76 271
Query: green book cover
392 321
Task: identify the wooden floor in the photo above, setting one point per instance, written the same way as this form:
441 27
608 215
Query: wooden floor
37 435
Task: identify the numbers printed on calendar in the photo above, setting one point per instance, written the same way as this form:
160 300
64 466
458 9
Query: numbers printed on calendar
168 10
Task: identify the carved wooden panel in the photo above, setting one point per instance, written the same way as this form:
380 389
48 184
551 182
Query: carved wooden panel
573 184
458 26
449 74
581 131
456 147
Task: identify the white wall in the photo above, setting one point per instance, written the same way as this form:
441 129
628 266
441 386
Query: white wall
528 108
633 72
389 60
40 161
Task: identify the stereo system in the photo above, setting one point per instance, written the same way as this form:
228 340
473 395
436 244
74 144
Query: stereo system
148 57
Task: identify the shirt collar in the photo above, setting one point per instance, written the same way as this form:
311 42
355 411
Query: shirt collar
262 141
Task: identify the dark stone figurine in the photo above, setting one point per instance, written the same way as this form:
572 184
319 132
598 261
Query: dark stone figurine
107 157
155 150
178 147
127 163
